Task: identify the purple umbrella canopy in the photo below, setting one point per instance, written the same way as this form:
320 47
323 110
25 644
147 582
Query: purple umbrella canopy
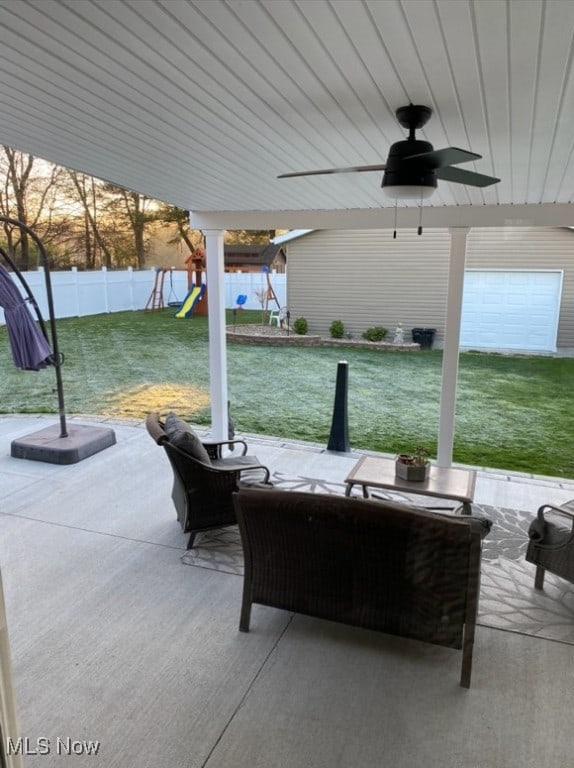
30 350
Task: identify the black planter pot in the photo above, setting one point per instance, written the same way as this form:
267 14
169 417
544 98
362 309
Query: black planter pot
424 337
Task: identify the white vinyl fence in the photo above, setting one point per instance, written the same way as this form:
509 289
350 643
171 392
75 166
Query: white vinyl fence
92 293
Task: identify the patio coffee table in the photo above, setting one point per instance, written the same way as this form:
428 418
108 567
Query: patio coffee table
442 482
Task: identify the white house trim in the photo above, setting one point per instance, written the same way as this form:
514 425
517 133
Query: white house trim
294 234
543 215
451 346
216 318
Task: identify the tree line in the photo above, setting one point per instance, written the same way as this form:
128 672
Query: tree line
86 222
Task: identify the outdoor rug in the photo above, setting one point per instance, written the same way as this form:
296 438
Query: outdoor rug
508 599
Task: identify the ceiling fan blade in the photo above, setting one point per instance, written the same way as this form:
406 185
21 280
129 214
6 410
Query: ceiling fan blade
440 158
353 169
460 176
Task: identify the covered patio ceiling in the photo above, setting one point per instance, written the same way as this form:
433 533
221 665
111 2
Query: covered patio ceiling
202 103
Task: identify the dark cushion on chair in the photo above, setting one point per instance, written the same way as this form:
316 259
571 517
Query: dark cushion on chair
183 437
482 524
547 532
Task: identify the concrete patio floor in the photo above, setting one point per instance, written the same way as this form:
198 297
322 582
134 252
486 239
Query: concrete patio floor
114 640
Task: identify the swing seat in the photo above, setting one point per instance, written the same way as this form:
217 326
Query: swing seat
172 300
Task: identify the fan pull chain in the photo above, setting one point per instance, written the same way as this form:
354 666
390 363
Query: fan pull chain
395 231
420 229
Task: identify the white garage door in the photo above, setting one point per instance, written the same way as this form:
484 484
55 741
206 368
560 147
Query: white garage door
511 309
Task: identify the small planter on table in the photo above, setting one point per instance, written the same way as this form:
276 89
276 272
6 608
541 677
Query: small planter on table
413 467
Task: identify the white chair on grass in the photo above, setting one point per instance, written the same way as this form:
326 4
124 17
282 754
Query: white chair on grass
278 317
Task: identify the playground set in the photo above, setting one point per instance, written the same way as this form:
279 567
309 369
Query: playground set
196 297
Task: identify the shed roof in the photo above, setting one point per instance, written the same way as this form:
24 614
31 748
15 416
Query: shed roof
260 255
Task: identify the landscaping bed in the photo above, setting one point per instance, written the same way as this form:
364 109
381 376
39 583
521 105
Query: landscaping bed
273 336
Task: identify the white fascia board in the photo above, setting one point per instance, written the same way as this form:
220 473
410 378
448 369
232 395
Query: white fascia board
294 234
433 217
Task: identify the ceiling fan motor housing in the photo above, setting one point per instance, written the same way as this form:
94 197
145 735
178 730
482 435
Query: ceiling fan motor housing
415 174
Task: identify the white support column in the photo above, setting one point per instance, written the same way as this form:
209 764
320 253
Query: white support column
217 344
8 717
451 345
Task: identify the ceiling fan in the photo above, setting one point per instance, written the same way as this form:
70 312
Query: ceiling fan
413 166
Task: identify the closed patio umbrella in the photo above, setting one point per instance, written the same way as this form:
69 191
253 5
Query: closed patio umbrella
30 350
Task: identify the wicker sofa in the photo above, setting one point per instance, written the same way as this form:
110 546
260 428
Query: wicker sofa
381 565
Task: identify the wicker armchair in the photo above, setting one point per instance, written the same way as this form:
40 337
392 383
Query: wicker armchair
203 483
381 565
551 543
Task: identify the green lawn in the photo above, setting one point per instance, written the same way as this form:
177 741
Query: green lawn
513 412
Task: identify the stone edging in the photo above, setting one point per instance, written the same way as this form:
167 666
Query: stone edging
309 340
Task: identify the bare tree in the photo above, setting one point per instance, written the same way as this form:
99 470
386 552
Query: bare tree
29 197
88 194
88 222
170 214
138 210
249 236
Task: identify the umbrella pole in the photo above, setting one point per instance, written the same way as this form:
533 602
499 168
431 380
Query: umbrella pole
57 357
55 348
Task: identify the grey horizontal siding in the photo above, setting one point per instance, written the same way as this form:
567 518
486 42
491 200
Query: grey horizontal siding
366 278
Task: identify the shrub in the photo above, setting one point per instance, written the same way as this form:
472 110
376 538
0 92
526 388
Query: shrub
376 333
337 329
300 326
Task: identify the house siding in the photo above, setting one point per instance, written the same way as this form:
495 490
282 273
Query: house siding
366 278
530 248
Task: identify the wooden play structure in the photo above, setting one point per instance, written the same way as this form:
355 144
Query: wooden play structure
196 297
278 316
270 295
155 300
195 264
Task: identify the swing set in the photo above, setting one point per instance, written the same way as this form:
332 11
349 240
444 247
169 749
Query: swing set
279 316
193 266
155 300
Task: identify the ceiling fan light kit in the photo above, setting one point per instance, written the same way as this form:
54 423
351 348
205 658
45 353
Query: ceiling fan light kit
408 192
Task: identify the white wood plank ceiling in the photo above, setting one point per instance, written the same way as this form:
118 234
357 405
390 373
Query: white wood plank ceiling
202 103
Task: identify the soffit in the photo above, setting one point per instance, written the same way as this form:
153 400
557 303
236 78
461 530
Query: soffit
202 103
